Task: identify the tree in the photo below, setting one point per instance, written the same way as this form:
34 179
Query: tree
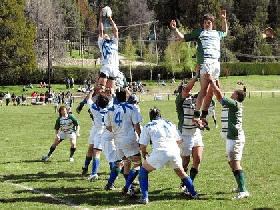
17 57
129 51
261 13
187 55
63 19
172 55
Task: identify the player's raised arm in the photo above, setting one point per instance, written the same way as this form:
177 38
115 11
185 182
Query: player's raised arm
114 27
177 33
224 21
100 25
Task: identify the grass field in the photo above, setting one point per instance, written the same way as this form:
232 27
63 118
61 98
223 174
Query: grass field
28 183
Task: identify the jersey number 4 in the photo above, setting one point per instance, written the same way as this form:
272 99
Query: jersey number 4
118 119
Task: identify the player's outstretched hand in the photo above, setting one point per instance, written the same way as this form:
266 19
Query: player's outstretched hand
173 24
223 14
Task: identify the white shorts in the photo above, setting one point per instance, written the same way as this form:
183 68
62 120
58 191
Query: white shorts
194 139
71 136
129 150
234 148
95 138
110 71
110 150
159 158
224 135
55 104
128 144
211 112
211 67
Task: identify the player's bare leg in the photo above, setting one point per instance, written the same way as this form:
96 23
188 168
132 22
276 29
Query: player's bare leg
204 84
197 157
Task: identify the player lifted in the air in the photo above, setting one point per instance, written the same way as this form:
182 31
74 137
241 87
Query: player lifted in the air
108 47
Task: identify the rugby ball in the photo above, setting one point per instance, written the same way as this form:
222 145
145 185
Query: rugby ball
107 12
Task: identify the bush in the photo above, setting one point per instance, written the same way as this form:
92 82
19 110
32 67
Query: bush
242 69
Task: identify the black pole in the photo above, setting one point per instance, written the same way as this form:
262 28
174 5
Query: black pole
49 62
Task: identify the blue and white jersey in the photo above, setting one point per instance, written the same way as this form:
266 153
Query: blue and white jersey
162 133
98 115
109 51
122 117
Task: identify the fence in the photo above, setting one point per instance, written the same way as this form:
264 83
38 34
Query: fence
262 93
171 96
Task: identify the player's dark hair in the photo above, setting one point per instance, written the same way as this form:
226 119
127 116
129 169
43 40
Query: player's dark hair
133 99
102 101
195 95
241 95
121 95
60 108
154 113
210 17
181 87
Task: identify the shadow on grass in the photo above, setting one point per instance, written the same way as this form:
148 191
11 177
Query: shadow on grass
73 196
88 196
263 208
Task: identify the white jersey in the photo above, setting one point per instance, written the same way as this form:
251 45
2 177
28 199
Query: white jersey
122 117
137 108
109 51
163 134
98 116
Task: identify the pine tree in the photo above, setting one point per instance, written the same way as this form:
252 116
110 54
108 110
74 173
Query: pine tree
17 57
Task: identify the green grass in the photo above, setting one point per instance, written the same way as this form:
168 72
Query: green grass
27 133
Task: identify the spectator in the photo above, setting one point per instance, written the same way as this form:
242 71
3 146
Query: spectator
55 103
23 100
18 100
72 82
2 95
14 99
8 98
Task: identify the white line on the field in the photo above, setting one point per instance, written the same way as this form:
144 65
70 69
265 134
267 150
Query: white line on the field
62 200
122 207
49 196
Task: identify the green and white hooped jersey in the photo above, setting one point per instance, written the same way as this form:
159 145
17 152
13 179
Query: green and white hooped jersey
67 124
188 107
208 44
224 120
